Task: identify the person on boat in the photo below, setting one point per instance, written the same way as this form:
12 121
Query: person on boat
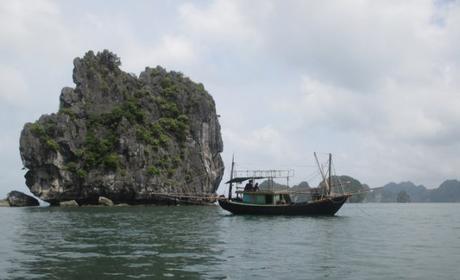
249 187
256 187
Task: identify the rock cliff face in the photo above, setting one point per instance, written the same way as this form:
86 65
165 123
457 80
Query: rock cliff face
448 191
19 199
126 138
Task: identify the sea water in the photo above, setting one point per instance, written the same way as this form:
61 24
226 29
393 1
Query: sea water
363 241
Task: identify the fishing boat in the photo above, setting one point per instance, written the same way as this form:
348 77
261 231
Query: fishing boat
270 201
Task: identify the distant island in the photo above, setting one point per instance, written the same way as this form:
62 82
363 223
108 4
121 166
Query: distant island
448 191
117 137
404 192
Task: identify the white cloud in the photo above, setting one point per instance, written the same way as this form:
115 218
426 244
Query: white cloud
13 85
260 142
223 21
375 82
18 17
33 28
353 44
171 51
322 104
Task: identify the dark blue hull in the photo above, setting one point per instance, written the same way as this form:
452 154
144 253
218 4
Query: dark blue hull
323 207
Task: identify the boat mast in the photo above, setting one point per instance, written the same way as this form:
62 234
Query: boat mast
231 178
322 173
330 176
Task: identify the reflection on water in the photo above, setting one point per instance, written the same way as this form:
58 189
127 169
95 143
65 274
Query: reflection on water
370 241
142 242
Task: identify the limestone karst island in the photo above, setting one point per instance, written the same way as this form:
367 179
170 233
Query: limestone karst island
135 140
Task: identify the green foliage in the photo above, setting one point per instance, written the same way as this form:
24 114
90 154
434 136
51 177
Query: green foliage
133 111
183 119
100 151
170 91
200 87
90 160
168 123
50 128
176 161
69 112
143 92
156 136
129 109
108 144
182 127
111 119
43 132
52 145
143 134
149 137
71 166
164 140
101 143
38 130
81 173
153 171
176 126
104 87
167 165
170 172
169 109
166 82
155 71
79 153
112 161
156 130
109 59
164 162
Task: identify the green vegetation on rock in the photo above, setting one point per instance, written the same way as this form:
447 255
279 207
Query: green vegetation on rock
43 133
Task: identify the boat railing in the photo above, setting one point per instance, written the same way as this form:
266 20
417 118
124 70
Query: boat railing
264 173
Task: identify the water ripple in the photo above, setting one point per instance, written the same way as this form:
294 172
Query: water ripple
391 241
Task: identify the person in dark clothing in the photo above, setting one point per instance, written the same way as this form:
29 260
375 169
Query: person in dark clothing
256 187
249 187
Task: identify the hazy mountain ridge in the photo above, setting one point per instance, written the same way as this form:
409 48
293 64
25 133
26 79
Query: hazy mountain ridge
407 191
448 191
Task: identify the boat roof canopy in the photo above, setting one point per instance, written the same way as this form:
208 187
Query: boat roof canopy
242 179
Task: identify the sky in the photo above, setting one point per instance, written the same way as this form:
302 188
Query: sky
375 83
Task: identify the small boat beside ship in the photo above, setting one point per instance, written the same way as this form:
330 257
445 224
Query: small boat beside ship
269 201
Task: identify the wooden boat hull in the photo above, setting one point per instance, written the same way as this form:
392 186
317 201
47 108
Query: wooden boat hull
324 207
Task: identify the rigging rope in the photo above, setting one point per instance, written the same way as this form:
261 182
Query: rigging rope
191 194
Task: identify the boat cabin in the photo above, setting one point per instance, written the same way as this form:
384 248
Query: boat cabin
265 197
251 194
